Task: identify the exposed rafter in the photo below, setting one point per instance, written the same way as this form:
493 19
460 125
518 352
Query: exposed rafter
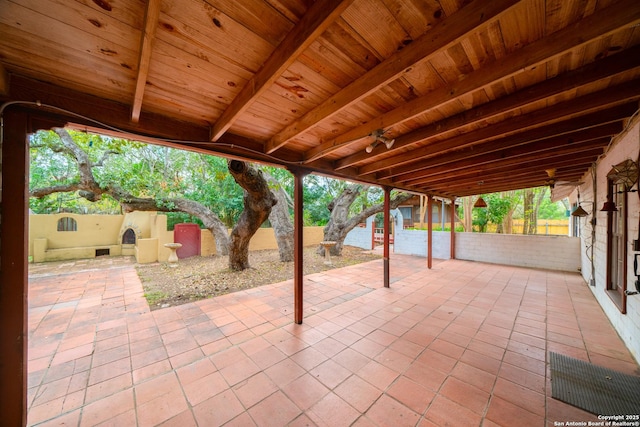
450 31
144 59
313 23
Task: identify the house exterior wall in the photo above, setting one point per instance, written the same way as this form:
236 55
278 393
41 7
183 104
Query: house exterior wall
627 325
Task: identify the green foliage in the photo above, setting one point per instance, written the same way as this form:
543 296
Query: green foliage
174 218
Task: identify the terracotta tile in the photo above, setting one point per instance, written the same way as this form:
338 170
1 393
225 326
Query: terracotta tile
530 364
522 377
125 419
161 408
156 387
351 359
474 376
218 409
466 395
437 360
504 413
309 358
194 371
330 373
358 393
411 394
329 347
109 370
486 363
443 411
204 388
276 409
254 389
426 376
268 357
149 371
70 419
487 349
282 373
368 348
46 411
378 375
107 408
389 412
108 387
183 419
331 410
520 396
239 371
227 357
148 357
301 421
305 391
186 358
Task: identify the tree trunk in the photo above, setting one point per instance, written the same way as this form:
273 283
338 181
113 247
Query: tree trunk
340 224
258 201
281 220
88 187
467 211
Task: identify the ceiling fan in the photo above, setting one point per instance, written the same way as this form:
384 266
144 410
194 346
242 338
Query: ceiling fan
378 138
552 182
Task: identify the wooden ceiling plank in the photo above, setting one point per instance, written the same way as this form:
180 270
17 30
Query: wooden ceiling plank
622 15
312 25
146 44
449 32
576 107
592 72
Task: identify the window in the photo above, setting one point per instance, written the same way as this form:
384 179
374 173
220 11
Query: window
67 224
616 247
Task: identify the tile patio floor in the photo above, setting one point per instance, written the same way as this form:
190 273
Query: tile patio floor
463 344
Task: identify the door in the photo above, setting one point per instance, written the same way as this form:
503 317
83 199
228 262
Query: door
188 235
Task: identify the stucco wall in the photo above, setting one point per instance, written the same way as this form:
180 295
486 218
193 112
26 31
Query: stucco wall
627 325
48 244
92 230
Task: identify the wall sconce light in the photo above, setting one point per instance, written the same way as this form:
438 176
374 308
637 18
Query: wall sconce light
377 139
609 206
480 203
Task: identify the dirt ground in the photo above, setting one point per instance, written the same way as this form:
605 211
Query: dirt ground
204 277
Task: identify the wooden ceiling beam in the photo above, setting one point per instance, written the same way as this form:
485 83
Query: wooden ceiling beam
524 127
528 124
485 164
313 23
619 15
525 169
146 42
448 32
547 147
605 68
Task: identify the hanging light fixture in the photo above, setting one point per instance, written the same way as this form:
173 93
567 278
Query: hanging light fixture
579 212
480 203
379 138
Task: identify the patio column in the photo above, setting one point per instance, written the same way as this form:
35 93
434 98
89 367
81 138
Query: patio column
298 244
385 231
429 230
13 268
452 255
